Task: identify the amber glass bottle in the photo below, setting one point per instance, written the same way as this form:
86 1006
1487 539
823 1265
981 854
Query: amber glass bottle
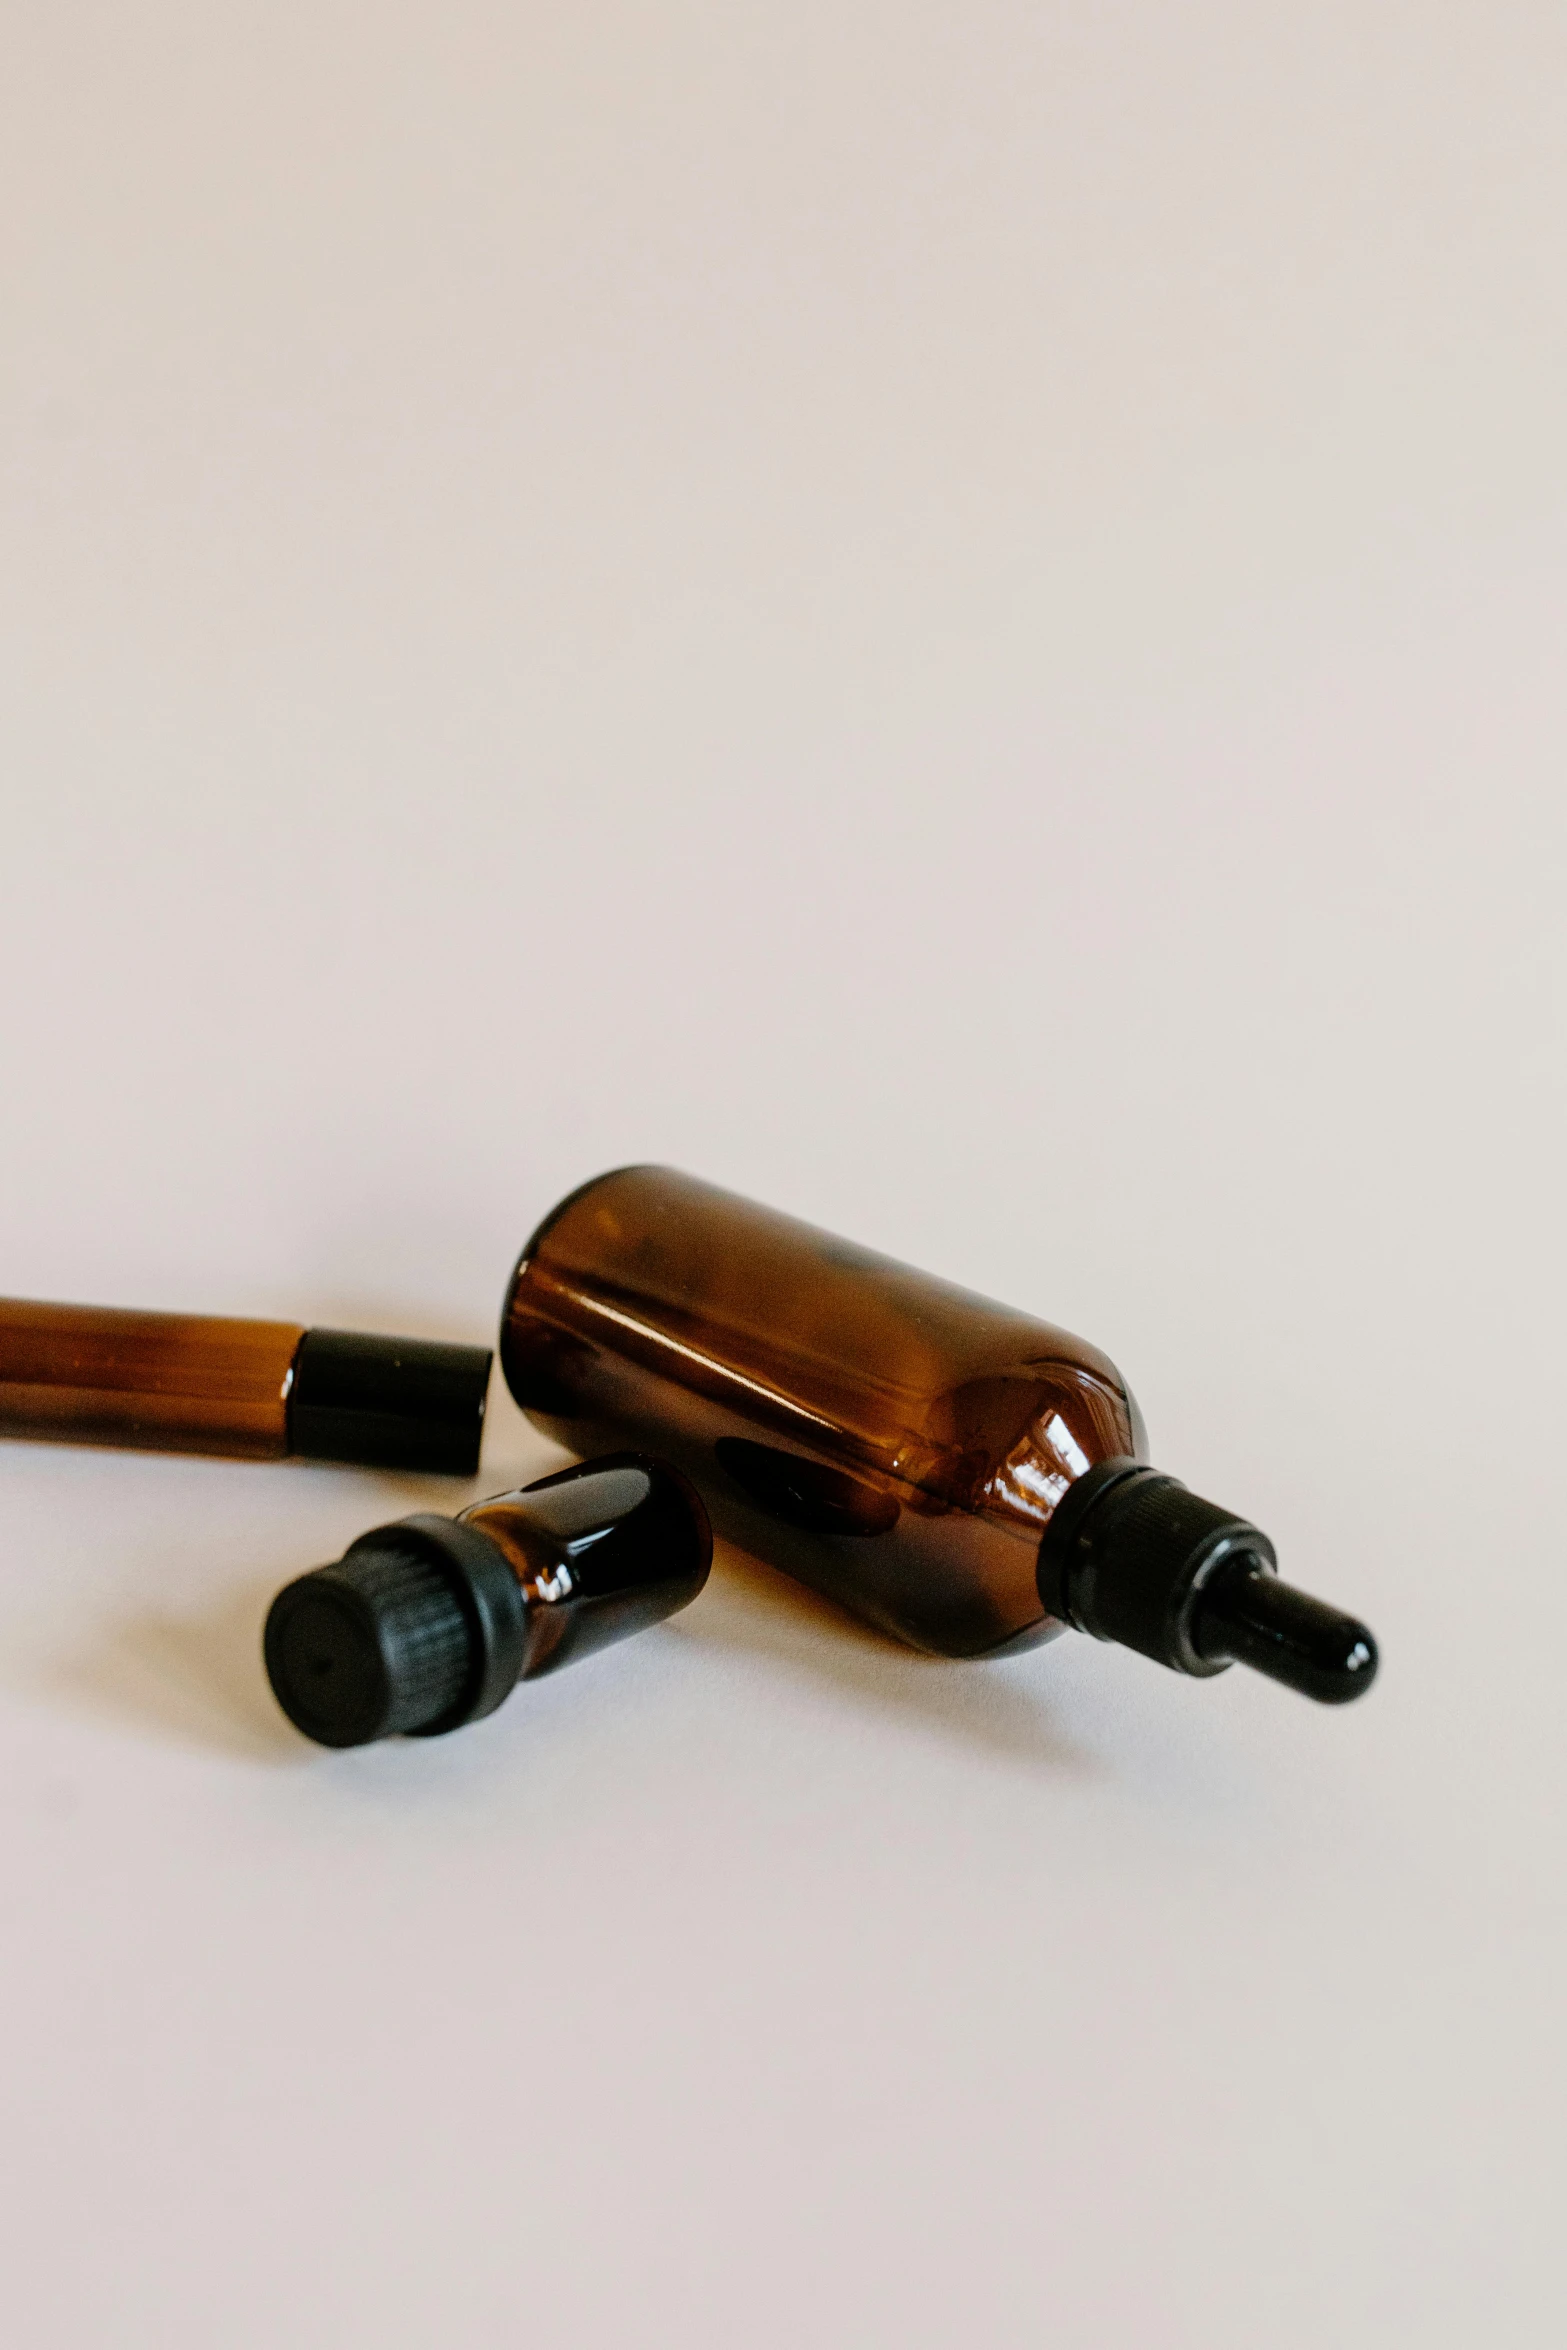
431 1622
251 1390
964 1476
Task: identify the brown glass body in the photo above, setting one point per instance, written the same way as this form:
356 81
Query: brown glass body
160 1382
599 1552
896 1442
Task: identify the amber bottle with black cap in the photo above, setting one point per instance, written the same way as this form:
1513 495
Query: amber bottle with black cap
968 1478
430 1623
250 1390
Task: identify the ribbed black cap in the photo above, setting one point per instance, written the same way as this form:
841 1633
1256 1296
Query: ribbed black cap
388 1403
417 1629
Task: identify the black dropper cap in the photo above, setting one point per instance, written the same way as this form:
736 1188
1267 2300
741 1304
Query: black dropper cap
1131 1555
388 1403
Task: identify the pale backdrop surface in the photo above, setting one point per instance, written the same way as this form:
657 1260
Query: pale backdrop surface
952 617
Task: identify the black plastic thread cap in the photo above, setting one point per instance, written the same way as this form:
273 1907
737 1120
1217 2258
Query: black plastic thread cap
417 1629
388 1403
1141 1556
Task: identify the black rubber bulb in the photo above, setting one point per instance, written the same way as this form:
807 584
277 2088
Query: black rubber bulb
1248 1617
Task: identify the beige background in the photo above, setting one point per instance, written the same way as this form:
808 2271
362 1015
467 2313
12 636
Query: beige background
952 616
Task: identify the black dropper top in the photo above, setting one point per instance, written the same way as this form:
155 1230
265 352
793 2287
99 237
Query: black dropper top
1131 1555
1249 1617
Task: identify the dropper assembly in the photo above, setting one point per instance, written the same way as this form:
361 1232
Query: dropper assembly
1132 1556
